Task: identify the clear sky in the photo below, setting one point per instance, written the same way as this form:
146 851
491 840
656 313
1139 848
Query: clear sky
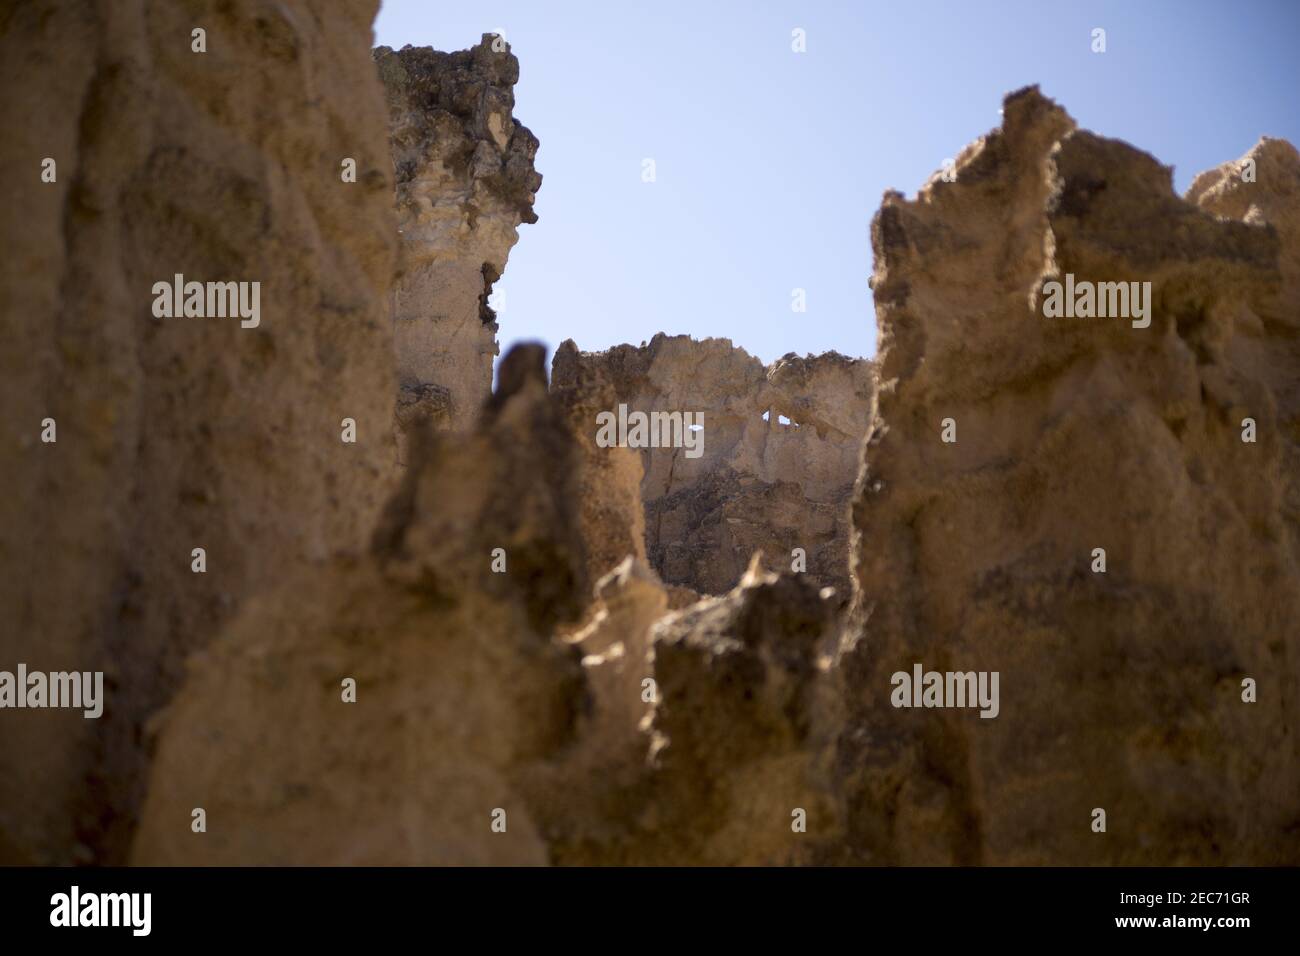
770 164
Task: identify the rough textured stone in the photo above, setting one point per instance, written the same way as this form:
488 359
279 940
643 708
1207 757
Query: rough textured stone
175 433
647 725
459 683
760 484
1119 690
745 713
613 516
734 739
465 181
1271 346
467 701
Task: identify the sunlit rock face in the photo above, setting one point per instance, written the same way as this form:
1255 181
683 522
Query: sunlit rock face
465 182
530 645
776 459
1127 689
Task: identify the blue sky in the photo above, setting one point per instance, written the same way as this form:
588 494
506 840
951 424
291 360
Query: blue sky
770 164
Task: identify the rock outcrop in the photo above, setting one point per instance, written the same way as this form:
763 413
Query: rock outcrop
612 513
367 667
465 182
778 460
459 684
709 731
220 165
644 737
1123 690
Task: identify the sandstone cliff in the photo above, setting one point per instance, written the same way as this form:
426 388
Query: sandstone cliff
465 181
459 684
779 454
645 737
418 669
175 433
1122 689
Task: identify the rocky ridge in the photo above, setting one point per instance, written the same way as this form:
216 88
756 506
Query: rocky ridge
525 687
777 464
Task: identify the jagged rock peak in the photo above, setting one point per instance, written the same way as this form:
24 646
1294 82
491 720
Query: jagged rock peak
459 107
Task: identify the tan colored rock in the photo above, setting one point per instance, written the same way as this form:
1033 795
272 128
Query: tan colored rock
649 726
759 484
1266 347
613 516
466 703
175 433
465 181
1119 690
459 685
747 711
727 763
613 735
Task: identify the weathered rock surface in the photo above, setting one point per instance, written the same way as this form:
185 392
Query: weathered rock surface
1119 690
709 730
612 513
644 737
174 433
1272 197
465 181
644 726
460 685
757 726
745 711
779 459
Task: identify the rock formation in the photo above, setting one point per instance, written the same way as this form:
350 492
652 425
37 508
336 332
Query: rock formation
708 733
778 463
645 737
1121 690
175 433
385 668
459 683
465 181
